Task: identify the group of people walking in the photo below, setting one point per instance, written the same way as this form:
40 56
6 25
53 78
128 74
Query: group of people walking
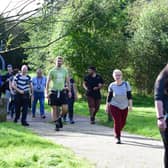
60 89
61 92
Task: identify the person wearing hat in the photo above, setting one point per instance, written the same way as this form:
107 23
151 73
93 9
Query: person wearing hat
92 85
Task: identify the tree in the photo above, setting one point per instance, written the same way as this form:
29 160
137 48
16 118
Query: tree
148 45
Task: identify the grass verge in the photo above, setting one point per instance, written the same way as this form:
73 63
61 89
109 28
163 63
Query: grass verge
20 148
142 120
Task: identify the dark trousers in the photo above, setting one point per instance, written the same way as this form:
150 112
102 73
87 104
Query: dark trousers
70 109
94 105
21 103
164 135
119 117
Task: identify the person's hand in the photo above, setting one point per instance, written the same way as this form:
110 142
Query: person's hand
47 95
21 91
162 124
130 108
107 108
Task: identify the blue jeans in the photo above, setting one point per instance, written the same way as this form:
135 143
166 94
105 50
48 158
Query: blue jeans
38 96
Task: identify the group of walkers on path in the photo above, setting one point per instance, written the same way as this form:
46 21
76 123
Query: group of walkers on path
61 93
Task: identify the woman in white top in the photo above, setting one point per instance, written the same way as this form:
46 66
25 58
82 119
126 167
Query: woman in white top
119 99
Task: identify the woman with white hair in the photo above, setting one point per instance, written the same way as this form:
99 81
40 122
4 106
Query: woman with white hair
119 100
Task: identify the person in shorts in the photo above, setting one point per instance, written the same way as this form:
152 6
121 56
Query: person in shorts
56 93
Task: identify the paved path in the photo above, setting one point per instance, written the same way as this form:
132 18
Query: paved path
96 143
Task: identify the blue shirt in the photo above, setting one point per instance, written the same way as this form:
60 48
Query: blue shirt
39 84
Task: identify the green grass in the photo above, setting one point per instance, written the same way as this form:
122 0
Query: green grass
142 120
19 148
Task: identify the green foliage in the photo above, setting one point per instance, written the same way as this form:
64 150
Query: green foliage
95 36
148 45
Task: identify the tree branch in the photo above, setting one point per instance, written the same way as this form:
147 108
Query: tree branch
36 47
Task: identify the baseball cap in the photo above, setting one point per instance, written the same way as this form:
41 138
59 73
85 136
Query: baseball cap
9 66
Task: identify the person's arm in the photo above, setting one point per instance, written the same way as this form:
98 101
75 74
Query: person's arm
108 100
69 86
15 87
85 86
130 104
47 86
129 96
159 97
10 86
159 114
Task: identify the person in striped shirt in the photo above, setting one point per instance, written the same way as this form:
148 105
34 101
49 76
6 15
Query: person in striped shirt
23 87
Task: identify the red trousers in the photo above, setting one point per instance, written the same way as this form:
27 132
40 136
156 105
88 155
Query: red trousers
119 117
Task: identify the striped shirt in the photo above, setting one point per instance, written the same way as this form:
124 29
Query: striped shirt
23 82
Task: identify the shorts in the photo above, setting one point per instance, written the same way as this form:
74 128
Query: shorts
58 98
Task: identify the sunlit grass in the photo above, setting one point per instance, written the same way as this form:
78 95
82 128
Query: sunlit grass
142 120
20 148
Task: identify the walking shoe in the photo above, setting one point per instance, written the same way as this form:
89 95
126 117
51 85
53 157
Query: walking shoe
33 116
43 116
57 126
72 122
117 140
25 124
15 120
92 120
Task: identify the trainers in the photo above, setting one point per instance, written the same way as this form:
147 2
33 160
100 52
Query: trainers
33 116
72 122
117 140
15 120
25 124
92 120
43 116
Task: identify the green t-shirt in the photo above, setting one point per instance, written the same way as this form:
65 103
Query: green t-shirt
58 77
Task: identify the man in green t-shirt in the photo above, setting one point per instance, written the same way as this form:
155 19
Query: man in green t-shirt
56 93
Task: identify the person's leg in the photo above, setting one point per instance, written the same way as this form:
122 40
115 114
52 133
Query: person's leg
116 115
17 101
71 110
91 105
97 106
124 114
7 96
25 105
164 135
41 100
34 103
54 116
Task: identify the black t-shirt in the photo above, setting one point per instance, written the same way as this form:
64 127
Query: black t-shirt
92 82
160 93
6 79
